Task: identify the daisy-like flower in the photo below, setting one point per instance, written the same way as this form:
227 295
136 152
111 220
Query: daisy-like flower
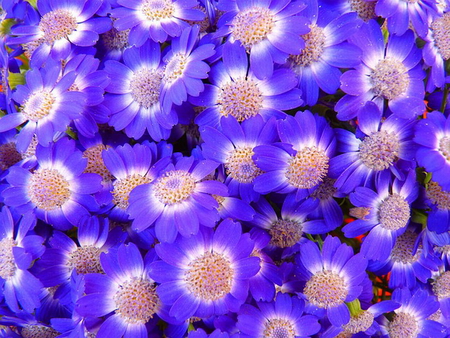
390 72
400 14
326 51
441 289
57 191
433 137
283 317
47 105
126 292
130 167
333 277
206 274
236 91
19 247
411 318
133 95
268 30
154 19
57 26
364 8
301 163
233 147
9 155
184 68
437 51
438 200
385 213
178 201
386 146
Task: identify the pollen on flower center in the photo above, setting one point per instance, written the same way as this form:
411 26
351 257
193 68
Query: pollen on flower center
359 323
389 79
145 87
175 67
123 187
441 29
158 10
38 105
307 168
85 259
48 189
240 166
326 289
209 276
279 328
57 24
325 190
114 39
441 286
7 262
438 196
314 45
241 99
39 331
404 325
285 233
379 150
444 147
252 25
95 162
365 9
394 212
402 252
8 155
136 300
174 186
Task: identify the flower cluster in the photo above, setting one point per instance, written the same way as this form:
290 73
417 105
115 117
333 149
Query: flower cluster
224 168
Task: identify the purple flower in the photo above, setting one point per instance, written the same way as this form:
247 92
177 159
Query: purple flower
389 72
57 191
282 317
205 274
236 91
438 201
268 30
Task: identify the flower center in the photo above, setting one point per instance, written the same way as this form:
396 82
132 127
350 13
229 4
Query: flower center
114 39
48 189
438 196
7 262
285 233
394 212
252 25
8 155
175 67
444 147
359 323
240 166
57 25
441 286
403 249
440 28
174 186
136 300
389 79
326 289
210 276
325 190
278 328
31 150
314 45
85 259
365 9
123 187
241 99
95 162
38 105
403 325
39 331
307 168
158 10
379 150
145 87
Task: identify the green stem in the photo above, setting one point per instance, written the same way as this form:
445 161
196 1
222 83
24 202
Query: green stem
444 99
